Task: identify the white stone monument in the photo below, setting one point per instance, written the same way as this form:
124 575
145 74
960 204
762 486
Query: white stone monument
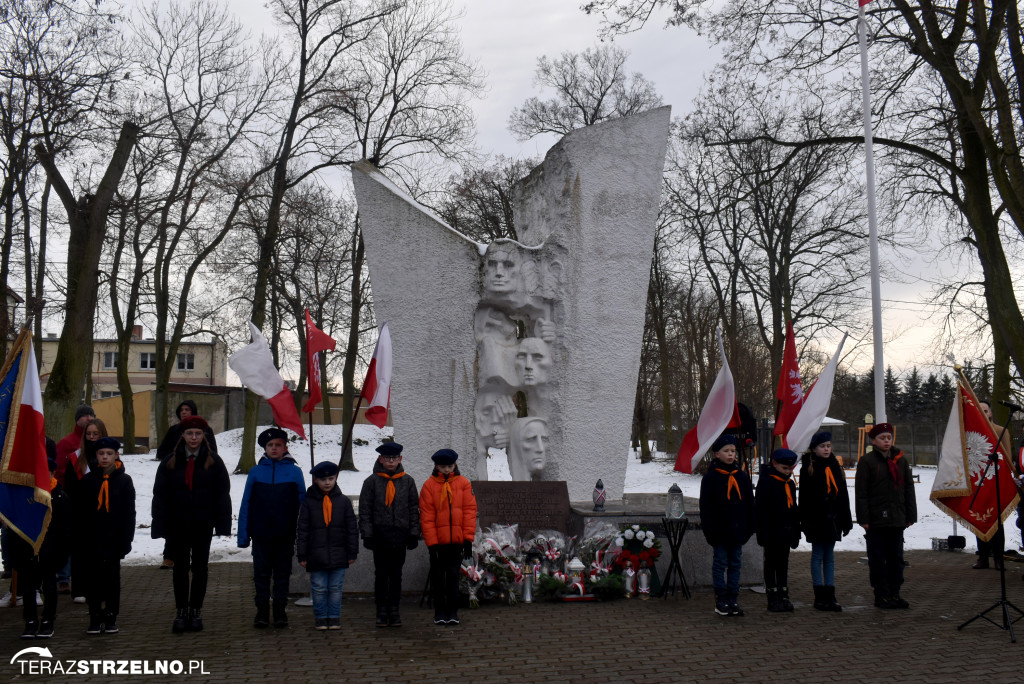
531 346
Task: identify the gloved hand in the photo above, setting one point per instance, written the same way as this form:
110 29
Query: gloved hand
412 542
432 553
467 549
368 543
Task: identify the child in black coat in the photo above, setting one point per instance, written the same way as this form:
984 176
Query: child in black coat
109 530
727 520
825 516
327 542
778 526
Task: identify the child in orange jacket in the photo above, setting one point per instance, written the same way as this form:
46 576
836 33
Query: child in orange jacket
448 521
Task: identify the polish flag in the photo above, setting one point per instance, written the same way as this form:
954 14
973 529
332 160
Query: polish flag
255 367
377 386
316 341
24 473
717 414
815 406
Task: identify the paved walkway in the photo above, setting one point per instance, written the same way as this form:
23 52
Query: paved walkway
671 640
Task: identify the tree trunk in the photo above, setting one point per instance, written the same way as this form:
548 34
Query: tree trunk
352 349
37 301
87 222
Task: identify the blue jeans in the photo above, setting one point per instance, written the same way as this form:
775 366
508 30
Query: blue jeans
326 590
823 561
727 558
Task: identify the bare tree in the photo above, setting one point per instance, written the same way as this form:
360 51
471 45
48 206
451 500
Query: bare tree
480 202
588 87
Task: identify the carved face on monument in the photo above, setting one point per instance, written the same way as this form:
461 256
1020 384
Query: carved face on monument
528 444
494 414
501 269
533 362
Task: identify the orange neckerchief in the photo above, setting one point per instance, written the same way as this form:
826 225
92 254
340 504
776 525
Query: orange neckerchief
53 483
830 481
389 495
103 500
789 494
328 508
446 489
733 484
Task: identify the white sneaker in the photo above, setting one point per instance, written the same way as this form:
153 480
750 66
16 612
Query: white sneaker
5 600
79 599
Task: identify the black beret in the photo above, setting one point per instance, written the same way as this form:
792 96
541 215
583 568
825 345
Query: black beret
389 449
723 441
785 457
324 469
108 443
444 457
269 434
820 438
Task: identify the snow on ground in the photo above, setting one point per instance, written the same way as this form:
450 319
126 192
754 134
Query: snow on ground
656 476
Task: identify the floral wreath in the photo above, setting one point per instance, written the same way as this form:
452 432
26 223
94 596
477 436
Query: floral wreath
637 545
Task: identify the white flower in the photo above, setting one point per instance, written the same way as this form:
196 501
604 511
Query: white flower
648 543
619 541
628 534
636 527
650 534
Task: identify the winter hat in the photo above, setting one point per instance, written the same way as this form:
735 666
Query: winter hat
879 429
785 457
84 410
269 434
722 442
194 423
444 457
389 449
51 463
108 443
324 469
191 404
820 438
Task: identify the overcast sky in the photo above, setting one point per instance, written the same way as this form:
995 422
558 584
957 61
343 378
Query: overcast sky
507 36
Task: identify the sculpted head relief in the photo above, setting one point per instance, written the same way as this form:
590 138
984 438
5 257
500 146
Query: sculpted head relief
501 269
533 362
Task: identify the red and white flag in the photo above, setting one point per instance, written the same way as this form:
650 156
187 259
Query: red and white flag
815 406
718 413
316 341
255 367
863 2
790 393
377 386
963 487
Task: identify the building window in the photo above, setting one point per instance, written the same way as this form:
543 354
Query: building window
106 395
186 362
147 361
109 360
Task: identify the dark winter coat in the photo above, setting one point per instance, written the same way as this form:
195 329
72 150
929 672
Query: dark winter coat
322 546
727 514
393 524
881 500
53 554
107 525
270 505
179 510
824 509
778 518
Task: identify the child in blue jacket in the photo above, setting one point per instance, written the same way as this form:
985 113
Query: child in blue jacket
274 491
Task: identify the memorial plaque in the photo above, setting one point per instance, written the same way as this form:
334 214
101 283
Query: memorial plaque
533 505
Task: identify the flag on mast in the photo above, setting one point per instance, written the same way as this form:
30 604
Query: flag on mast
815 405
965 486
255 367
24 473
377 386
789 393
719 412
316 341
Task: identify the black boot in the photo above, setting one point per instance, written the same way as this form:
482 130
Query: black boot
382 616
787 605
830 600
195 620
95 624
820 601
394 618
180 621
110 624
774 606
262 619
280 617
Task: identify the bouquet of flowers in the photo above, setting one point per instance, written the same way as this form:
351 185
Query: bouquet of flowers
597 549
500 562
549 545
637 545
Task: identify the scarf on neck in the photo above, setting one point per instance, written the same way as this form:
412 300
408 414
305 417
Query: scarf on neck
190 471
389 494
446 488
328 509
785 485
830 481
894 470
103 500
733 484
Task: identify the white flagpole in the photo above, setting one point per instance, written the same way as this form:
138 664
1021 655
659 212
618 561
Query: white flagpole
869 159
